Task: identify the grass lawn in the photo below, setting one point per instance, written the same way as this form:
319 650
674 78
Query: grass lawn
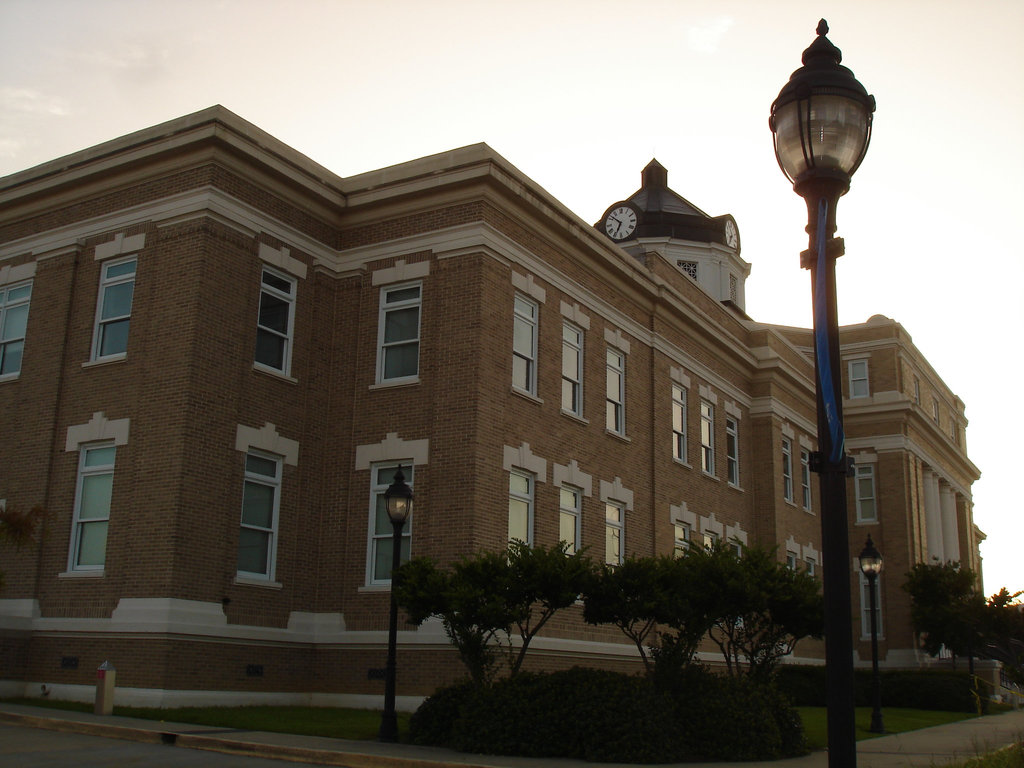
894 720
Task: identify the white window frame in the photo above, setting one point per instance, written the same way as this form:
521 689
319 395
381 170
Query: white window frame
9 337
865 607
527 499
79 524
387 307
860 385
286 338
732 451
811 565
381 477
865 472
791 560
709 539
570 510
787 469
251 477
615 402
572 356
679 416
707 437
683 533
526 315
101 323
805 479
614 532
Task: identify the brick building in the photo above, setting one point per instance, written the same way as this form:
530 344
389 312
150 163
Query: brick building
215 352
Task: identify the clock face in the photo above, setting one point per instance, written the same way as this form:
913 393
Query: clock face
732 238
620 222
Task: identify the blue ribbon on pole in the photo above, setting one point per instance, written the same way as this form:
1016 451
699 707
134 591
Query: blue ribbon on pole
821 344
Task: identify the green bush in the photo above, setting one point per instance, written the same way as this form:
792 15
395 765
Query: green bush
603 716
941 690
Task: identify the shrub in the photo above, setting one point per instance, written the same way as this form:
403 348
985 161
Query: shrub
915 689
603 716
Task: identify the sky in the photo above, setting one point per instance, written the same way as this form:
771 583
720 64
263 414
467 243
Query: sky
580 95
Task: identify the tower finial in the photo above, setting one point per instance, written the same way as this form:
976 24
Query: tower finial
822 27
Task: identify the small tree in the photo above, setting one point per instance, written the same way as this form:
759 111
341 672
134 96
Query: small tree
628 596
470 600
540 582
766 609
947 608
1004 633
19 528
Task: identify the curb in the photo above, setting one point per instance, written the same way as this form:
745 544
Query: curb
227 746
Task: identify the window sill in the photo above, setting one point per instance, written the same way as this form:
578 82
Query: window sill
527 396
710 476
735 487
10 377
682 463
255 581
371 588
408 382
617 435
279 375
97 574
866 522
574 416
105 361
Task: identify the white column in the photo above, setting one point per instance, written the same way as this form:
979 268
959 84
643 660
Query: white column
950 537
933 516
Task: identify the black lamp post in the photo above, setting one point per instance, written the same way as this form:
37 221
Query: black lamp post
398 499
871 566
821 122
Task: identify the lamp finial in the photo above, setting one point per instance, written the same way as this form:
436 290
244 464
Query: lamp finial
822 27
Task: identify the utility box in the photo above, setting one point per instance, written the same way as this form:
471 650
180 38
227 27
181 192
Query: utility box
106 676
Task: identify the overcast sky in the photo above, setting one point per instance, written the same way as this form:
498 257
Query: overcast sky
580 95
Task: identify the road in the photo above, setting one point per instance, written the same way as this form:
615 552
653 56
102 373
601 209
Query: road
23 747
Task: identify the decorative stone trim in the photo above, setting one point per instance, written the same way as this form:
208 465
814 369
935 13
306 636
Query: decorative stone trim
266 438
98 428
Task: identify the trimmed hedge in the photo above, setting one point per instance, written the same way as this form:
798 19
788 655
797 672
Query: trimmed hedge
916 689
603 716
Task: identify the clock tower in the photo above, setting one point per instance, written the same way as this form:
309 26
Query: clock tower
657 220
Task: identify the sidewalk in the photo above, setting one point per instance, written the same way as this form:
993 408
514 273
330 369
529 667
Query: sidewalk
930 747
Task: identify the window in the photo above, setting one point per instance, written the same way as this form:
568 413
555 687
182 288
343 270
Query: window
805 478
865 605
935 409
682 539
732 451
520 507
791 560
679 423
114 309
570 502
92 507
709 539
736 547
865 479
382 532
859 378
14 301
616 378
276 318
614 527
707 437
787 469
257 536
812 565
917 390
524 346
572 370
399 333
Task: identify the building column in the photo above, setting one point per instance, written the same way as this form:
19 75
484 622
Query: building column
933 517
950 536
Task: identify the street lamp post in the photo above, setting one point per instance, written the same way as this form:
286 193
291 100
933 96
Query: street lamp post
871 566
821 122
398 500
